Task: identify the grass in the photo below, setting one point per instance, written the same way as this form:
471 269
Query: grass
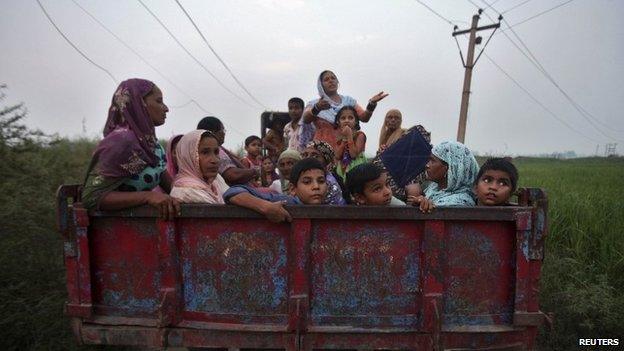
581 279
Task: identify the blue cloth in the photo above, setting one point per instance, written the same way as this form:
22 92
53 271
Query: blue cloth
407 157
149 177
271 197
460 177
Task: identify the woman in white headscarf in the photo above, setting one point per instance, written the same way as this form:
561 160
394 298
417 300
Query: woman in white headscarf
320 113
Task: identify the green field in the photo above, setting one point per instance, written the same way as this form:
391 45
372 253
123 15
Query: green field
582 282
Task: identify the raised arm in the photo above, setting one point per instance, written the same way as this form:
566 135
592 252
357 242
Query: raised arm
310 114
365 114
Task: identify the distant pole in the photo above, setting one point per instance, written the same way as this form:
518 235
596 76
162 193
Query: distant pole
468 65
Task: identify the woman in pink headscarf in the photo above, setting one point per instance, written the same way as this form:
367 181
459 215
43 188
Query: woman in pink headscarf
198 178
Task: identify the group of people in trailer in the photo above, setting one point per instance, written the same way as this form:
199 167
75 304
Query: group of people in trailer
316 158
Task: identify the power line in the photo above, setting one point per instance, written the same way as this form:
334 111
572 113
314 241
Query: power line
218 57
193 57
435 13
539 14
191 100
514 7
72 44
562 121
543 70
141 58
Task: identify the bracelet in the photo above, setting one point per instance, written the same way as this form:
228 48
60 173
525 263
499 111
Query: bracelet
315 110
371 106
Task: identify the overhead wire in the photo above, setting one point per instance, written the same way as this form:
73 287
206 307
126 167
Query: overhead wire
191 101
562 121
127 46
539 14
542 69
73 45
435 12
193 57
240 84
515 7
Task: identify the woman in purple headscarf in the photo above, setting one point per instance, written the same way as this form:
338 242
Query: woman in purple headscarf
129 162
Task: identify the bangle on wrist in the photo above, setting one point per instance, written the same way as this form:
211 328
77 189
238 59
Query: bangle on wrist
315 110
371 106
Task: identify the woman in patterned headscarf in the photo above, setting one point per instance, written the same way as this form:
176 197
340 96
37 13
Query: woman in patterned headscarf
319 115
129 162
452 169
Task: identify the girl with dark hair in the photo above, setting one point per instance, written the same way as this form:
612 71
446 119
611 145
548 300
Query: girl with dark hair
350 141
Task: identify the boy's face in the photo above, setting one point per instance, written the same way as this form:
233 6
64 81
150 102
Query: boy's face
493 188
376 192
285 165
294 111
311 187
253 149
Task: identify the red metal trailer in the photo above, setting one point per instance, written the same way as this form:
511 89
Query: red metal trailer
335 278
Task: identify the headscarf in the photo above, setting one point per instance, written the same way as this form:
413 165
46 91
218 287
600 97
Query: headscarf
172 168
290 153
189 171
462 171
325 149
129 134
321 90
389 139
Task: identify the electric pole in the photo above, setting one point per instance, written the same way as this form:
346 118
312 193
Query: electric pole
468 65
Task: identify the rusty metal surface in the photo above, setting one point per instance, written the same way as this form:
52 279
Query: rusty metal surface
362 268
336 277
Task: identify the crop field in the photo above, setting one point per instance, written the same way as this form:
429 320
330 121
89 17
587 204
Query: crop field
582 281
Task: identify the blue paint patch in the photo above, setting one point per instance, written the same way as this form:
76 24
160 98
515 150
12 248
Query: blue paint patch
361 275
130 303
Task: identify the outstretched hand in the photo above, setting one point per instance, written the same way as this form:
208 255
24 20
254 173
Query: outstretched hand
378 97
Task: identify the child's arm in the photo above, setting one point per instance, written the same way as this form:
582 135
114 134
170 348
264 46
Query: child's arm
273 211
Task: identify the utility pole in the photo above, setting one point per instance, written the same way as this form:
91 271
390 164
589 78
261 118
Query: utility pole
468 65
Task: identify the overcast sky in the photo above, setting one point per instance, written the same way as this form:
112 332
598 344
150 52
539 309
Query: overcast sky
277 48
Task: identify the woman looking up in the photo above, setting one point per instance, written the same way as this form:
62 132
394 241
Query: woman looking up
322 111
129 162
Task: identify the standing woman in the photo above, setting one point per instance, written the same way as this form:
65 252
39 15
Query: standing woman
129 162
391 130
322 111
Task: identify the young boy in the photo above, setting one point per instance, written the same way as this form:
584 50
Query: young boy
307 186
291 130
367 185
253 146
496 182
